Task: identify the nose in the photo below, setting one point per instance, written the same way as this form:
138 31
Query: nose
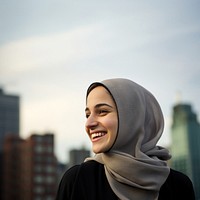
91 122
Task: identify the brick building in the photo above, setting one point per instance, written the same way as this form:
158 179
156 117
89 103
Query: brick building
30 168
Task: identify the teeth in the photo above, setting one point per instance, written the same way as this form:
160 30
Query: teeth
94 135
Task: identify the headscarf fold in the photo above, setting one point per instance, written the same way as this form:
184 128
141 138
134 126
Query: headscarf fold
135 167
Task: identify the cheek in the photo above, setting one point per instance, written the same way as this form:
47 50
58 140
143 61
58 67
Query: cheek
112 125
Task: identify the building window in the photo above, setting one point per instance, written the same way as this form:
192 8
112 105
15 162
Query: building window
50 169
50 179
38 148
38 190
49 198
49 149
49 159
38 179
38 168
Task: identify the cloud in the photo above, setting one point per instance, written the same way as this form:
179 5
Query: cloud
35 52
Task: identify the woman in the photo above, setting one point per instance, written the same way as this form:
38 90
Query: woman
124 123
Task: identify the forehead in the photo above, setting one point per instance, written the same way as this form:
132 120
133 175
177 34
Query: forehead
99 95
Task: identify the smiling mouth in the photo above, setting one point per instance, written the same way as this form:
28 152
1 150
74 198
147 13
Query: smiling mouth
97 135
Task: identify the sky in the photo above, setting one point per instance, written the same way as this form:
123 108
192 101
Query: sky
51 51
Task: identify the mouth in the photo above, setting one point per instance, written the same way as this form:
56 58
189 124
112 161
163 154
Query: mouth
95 136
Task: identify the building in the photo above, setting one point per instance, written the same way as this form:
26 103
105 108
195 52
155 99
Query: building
30 168
9 122
9 115
77 156
186 144
12 168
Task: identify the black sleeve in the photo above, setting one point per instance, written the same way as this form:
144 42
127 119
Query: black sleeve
65 188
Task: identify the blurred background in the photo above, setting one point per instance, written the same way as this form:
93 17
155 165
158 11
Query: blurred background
51 51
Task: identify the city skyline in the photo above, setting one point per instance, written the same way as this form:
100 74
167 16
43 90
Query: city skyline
51 52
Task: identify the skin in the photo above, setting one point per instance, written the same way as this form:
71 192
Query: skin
102 121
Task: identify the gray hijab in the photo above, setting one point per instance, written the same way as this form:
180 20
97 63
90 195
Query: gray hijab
135 167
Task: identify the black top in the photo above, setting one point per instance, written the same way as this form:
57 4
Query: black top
88 182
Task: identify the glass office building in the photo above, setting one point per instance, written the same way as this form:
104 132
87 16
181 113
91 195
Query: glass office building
9 122
186 144
9 116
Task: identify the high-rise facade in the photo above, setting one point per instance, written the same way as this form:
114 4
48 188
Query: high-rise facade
186 144
9 115
30 168
12 168
9 122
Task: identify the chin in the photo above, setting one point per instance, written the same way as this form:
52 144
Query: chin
96 151
99 150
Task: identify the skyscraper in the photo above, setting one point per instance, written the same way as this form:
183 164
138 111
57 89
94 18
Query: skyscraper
9 116
9 121
186 144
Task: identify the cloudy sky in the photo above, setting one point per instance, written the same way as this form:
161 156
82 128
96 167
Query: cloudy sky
50 51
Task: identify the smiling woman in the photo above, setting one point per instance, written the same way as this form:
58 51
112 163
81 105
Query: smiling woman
124 123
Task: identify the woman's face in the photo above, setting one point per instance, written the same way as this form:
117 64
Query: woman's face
102 121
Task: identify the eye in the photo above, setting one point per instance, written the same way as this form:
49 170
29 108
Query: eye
87 115
103 112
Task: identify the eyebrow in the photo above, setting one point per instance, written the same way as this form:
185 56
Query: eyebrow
99 105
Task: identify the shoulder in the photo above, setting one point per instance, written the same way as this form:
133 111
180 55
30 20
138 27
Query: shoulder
67 183
91 167
177 186
70 173
86 181
176 177
76 177
86 168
